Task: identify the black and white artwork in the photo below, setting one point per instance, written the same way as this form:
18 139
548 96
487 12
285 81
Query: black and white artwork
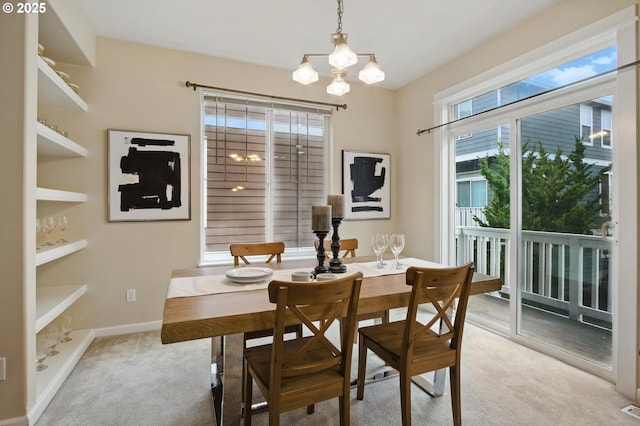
148 176
366 185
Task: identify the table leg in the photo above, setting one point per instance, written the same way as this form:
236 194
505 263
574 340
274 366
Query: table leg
217 373
433 387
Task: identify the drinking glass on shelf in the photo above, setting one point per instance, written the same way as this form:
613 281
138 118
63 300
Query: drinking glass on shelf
38 230
63 223
55 335
396 242
48 225
379 243
42 350
67 326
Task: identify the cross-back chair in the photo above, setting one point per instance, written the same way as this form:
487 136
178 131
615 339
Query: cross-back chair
348 246
296 373
412 347
273 250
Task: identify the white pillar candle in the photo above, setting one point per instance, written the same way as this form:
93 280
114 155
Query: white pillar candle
321 218
337 205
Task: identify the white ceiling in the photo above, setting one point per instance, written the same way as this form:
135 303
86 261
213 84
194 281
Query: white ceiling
408 37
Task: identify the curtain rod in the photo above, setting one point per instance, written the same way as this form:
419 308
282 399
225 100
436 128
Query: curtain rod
281 98
620 68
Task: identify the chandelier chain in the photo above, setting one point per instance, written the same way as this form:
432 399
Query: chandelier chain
339 29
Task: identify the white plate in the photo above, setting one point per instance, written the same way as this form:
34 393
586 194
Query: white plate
249 275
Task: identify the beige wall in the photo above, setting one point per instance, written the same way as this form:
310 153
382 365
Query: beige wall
137 87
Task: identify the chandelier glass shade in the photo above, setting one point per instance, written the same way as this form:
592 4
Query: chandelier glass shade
340 59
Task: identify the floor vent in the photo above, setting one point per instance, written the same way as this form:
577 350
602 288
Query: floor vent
632 410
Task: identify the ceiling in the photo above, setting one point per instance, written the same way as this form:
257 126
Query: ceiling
408 37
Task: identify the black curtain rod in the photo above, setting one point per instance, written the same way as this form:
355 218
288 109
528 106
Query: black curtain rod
281 98
620 68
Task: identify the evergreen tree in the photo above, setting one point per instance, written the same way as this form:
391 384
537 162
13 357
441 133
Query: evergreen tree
558 194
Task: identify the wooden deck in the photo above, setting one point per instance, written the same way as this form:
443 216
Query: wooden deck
588 342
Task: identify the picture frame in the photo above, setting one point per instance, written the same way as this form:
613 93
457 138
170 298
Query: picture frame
366 185
148 176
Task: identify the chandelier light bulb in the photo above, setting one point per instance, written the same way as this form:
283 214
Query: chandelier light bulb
338 86
342 57
305 74
371 73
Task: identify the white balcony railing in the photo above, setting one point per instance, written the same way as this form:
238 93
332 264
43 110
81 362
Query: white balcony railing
562 273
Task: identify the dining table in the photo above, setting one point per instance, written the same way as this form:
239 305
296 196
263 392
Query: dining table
212 302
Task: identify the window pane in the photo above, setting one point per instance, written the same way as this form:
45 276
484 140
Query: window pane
463 194
570 72
478 193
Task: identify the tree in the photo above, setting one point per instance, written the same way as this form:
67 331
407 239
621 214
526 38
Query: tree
559 194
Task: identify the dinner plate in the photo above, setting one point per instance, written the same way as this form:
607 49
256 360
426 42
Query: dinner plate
249 275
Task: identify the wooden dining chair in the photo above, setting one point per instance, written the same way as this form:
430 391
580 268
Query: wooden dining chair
412 347
296 373
348 246
240 251
273 250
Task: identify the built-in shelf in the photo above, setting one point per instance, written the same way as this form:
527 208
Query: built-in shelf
46 194
46 255
52 301
49 380
53 91
52 143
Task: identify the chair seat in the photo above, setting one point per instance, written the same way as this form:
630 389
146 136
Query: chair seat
325 382
426 350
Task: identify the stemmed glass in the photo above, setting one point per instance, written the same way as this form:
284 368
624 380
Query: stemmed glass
42 351
62 226
55 335
38 230
379 243
67 326
48 225
396 242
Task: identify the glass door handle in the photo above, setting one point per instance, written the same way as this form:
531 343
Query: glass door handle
604 228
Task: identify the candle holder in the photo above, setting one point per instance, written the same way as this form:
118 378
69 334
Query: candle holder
336 265
321 268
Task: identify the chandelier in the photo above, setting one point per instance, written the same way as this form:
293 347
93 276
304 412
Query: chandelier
340 59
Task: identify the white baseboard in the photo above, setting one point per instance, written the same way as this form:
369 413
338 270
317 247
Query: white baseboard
16 421
128 329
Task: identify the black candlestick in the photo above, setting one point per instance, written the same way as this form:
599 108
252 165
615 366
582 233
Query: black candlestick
321 268
336 264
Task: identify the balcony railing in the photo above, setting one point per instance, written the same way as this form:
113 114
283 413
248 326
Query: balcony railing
566 274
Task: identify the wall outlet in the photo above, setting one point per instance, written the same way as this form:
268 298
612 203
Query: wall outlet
3 369
131 295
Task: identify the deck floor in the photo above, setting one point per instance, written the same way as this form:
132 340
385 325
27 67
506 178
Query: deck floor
588 342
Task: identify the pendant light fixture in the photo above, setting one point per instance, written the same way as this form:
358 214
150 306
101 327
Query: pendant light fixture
340 59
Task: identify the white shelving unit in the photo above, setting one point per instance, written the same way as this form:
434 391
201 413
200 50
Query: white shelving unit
66 39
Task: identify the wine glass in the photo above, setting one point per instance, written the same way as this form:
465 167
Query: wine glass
62 226
38 230
55 334
396 242
67 326
379 244
48 225
42 350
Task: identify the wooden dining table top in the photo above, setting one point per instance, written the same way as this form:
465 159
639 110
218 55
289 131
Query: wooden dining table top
213 315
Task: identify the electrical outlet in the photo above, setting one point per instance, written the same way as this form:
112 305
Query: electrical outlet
131 295
3 369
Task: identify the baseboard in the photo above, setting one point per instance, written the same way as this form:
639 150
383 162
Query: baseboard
128 329
16 421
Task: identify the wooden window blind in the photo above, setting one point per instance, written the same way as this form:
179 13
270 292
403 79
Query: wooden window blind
265 168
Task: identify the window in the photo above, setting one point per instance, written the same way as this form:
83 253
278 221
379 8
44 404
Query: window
586 124
462 110
605 133
472 193
265 168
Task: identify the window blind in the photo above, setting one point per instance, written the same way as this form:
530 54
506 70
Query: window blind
265 168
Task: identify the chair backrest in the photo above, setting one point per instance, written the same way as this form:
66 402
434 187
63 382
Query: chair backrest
273 250
331 300
349 245
440 287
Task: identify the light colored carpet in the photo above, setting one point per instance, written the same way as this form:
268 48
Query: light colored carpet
135 380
